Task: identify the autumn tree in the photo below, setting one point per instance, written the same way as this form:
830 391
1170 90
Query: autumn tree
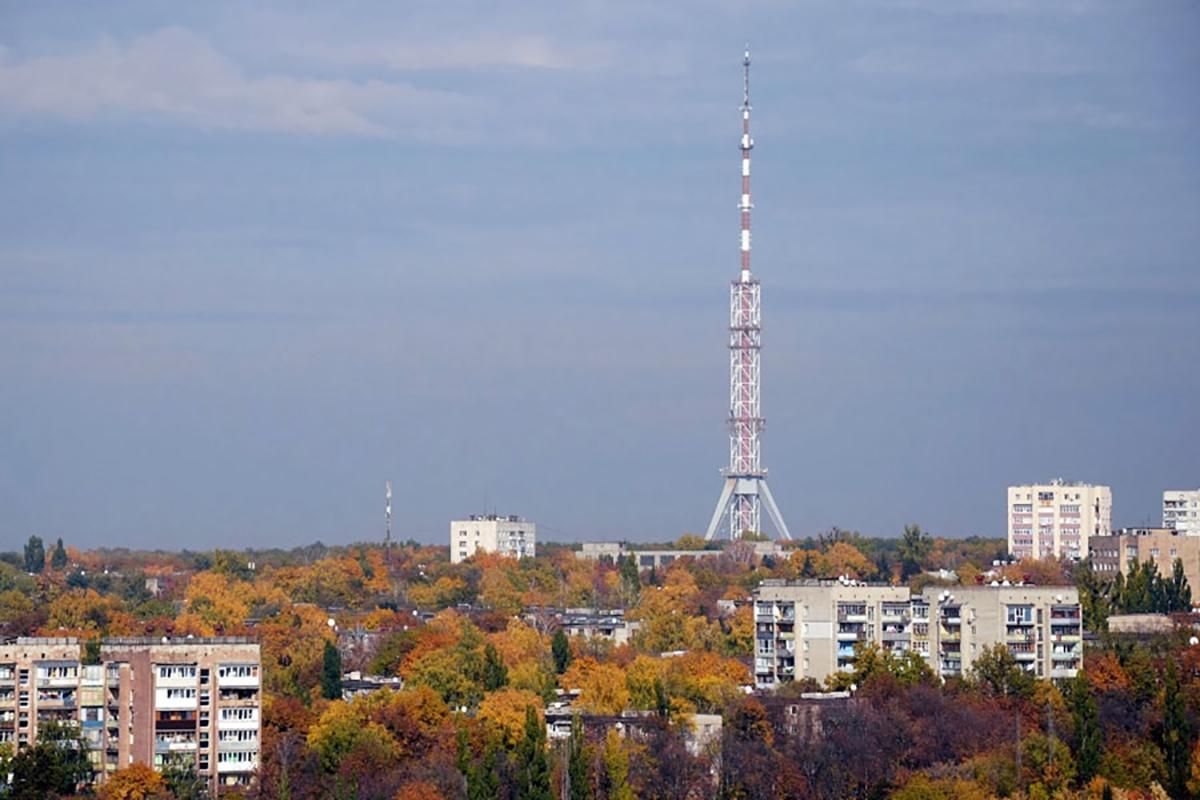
602 688
503 714
135 782
615 780
1176 733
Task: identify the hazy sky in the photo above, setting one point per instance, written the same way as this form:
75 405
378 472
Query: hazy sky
256 259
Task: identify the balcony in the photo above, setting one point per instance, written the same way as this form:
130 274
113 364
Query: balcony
852 616
895 636
787 636
851 636
1060 673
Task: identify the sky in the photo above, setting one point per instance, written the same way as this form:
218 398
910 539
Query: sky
258 258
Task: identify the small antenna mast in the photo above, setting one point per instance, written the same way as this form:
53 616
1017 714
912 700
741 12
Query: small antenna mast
387 517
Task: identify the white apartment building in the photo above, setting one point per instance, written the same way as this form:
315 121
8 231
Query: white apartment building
509 536
1181 511
810 629
1042 627
1057 519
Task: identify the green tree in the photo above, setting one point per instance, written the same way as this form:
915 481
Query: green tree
1177 734
56 765
577 763
1088 736
914 549
181 778
35 555
560 646
997 673
58 557
495 674
631 580
533 770
331 672
808 569
1179 594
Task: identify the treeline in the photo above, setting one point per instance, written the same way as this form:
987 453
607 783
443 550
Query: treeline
1140 591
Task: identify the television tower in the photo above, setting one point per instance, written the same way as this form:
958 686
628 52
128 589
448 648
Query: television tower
746 489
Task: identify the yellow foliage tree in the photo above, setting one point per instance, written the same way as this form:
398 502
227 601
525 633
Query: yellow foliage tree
135 782
843 558
503 713
214 602
81 610
602 688
640 678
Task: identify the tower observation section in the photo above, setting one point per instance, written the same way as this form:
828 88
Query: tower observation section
745 491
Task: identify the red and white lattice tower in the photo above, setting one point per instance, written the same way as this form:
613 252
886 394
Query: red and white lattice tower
746 489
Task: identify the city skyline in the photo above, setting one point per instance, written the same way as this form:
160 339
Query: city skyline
254 264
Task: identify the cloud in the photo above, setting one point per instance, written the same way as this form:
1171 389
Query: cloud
174 74
487 50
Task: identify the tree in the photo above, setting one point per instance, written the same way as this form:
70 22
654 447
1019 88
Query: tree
1176 732
616 768
1088 736
503 712
1179 594
560 646
533 771
602 687
331 672
135 782
35 555
56 765
184 784
577 763
914 549
631 580
58 557
998 674
495 674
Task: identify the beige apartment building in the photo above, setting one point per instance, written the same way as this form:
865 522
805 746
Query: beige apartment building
809 629
509 536
149 701
1057 519
1042 627
1181 511
1112 555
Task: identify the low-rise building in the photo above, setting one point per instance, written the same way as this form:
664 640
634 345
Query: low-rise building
509 536
648 558
1181 511
1112 555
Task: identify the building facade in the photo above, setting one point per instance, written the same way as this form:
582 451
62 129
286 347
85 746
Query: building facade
1041 626
1112 555
1057 519
810 629
508 536
1181 511
148 701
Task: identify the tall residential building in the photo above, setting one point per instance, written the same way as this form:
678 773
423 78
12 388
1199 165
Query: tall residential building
1057 519
148 701
1112 555
809 629
1181 511
509 536
1042 627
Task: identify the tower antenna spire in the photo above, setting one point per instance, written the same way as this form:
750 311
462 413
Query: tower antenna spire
746 489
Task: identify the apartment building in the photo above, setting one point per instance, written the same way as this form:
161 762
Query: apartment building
1181 511
149 701
509 536
1042 627
809 629
1111 555
1057 519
